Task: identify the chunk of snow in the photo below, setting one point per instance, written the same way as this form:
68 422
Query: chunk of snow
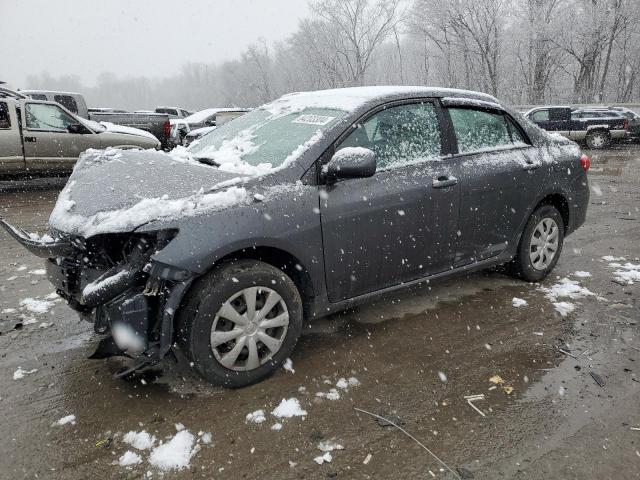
140 440
9 310
566 288
19 374
518 302
581 274
342 383
129 458
288 409
288 366
68 419
326 458
176 453
256 417
353 382
329 446
40 271
276 426
206 438
36 306
564 308
442 376
609 258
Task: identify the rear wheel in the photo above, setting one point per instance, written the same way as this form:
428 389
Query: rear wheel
598 139
540 245
240 323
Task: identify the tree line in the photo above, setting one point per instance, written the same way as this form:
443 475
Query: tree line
523 51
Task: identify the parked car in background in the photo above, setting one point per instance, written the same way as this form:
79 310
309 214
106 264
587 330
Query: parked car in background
155 123
173 112
209 118
340 197
196 134
44 137
596 128
634 121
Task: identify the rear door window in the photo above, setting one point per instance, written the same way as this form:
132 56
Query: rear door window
478 130
67 102
399 135
5 120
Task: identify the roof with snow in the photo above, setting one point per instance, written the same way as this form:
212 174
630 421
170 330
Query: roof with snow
349 99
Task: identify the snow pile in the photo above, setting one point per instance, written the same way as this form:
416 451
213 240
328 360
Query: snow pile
341 384
37 306
176 453
140 440
256 417
288 409
229 155
329 446
113 128
518 302
564 308
68 419
581 274
326 458
288 366
20 373
332 395
129 458
627 273
566 288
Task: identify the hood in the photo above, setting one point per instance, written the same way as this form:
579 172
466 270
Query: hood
116 191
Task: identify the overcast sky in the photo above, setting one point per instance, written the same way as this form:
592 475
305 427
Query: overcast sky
133 37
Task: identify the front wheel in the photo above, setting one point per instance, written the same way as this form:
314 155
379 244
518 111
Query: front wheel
240 322
540 245
598 139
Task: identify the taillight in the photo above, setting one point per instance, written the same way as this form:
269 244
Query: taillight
167 128
626 124
585 162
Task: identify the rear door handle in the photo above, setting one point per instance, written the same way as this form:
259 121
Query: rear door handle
444 181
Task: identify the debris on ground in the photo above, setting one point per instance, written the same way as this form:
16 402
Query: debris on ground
175 454
329 446
256 417
326 458
393 419
129 458
288 366
518 302
598 379
140 440
68 419
367 459
20 373
474 398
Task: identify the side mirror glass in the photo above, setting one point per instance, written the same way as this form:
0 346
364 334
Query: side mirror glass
76 128
351 162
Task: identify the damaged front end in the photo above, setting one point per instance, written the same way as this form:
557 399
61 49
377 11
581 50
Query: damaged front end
112 281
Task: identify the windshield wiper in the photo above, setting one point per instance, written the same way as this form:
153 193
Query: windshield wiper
208 161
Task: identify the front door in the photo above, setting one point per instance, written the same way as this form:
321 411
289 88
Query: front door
11 158
48 144
400 224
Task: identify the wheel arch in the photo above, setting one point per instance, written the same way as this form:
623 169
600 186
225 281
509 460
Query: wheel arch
560 202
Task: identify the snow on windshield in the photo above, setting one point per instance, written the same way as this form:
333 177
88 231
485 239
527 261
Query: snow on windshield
261 142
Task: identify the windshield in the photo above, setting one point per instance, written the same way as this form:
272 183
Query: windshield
260 138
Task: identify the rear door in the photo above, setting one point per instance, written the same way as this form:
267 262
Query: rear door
500 181
11 158
48 144
400 224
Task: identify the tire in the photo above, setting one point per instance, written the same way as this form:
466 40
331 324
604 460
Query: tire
207 306
598 139
526 264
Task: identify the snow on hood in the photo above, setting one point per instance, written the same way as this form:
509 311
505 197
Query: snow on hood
115 191
113 128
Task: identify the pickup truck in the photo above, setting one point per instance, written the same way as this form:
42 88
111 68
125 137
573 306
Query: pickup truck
43 137
155 123
597 129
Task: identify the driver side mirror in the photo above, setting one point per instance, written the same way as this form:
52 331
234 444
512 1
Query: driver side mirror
76 128
350 162
210 123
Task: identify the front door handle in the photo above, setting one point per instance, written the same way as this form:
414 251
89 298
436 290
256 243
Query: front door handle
444 181
30 139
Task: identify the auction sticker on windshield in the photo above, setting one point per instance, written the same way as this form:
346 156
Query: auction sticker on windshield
313 119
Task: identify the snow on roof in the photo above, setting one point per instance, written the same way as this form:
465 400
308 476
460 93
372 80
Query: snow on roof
349 99
54 92
202 115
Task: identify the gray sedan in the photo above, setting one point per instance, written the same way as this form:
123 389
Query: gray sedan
301 208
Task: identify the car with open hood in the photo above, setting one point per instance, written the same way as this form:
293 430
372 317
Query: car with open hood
303 207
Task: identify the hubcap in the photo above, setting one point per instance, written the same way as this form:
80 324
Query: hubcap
598 140
544 243
249 328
